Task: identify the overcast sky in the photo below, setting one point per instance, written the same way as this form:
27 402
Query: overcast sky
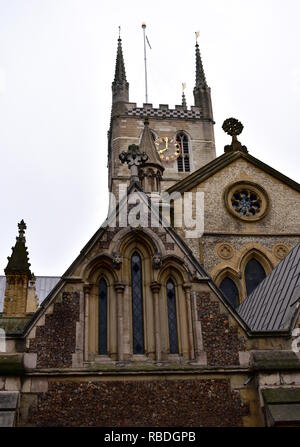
56 67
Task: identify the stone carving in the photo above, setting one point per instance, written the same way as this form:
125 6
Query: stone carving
117 260
225 251
280 251
134 158
234 127
156 261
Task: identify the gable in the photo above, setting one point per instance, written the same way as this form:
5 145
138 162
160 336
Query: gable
282 196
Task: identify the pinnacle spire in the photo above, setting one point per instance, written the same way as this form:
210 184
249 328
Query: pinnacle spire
120 86
147 145
120 74
18 262
200 75
183 100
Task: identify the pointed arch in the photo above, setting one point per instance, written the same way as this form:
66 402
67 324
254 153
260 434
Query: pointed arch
261 265
230 291
229 281
254 275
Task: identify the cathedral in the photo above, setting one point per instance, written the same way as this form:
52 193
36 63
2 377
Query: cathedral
183 307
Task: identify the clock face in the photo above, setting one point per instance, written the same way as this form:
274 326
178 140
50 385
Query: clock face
168 148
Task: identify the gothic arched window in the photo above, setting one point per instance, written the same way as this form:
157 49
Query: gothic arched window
230 291
183 161
102 332
254 274
137 304
172 317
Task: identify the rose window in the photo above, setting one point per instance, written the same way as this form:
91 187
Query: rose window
246 202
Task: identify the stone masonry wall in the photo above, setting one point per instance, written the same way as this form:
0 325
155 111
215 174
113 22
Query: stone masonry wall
221 341
140 403
55 342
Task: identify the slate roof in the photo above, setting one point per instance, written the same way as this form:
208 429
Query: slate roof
44 285
272 305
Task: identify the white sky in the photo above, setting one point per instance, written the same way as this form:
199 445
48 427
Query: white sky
56 67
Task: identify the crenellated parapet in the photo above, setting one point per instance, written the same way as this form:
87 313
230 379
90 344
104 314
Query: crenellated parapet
163 111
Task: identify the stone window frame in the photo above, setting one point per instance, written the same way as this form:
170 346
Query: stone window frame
255 188
189 155
171 280
103 279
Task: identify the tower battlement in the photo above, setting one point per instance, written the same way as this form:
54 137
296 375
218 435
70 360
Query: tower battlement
163 111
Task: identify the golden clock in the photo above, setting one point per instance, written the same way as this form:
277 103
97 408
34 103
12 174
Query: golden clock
168 148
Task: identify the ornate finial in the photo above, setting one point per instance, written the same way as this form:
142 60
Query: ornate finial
234 127
134 158
18 262
197 34
183 101
119 32
22 227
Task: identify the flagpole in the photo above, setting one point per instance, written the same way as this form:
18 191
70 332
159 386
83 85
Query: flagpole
145 60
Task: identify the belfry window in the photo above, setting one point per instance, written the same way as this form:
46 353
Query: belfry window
183 161
172 317
254 274
230 291
102 332
137 304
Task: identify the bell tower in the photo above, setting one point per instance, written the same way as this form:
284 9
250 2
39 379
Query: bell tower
182 136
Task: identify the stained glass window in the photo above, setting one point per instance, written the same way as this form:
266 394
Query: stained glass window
183 161
172 317
230 291
137 304
102 317
254 274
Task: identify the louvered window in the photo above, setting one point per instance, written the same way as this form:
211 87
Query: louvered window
183 161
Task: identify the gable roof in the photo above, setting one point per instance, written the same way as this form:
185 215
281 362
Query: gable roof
221 162
202 274
274 303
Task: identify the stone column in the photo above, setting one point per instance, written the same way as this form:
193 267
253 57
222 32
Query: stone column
119 288
86 291
187 292
155 288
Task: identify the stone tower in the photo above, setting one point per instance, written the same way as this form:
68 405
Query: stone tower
183 137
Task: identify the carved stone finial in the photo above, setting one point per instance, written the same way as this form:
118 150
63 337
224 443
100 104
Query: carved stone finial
22 227
134 158
234 127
